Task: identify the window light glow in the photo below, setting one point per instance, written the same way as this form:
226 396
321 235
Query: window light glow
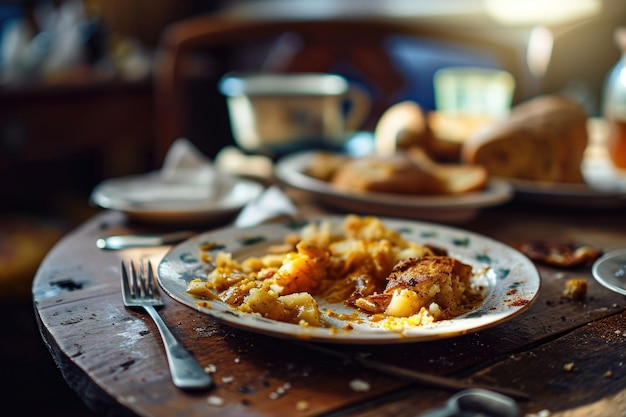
541 12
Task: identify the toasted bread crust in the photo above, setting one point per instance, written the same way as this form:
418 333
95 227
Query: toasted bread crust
410 172
414 273
392 174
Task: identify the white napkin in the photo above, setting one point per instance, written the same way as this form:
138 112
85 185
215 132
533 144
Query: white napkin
185 165
271 204
187 176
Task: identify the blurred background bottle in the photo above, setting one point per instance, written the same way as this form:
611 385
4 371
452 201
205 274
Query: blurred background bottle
615 104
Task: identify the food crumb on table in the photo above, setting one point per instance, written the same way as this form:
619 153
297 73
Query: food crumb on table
280 391
359 385
568 367
214 400
302 405
575 288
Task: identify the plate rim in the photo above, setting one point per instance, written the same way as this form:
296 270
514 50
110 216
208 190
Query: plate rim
601 261
195 207
330 335
574 190
286 171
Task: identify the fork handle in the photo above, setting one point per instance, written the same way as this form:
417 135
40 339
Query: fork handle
186 372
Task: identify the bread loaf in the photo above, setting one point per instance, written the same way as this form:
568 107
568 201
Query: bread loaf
405 126
543 139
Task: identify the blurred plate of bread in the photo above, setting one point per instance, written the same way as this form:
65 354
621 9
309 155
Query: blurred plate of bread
446 167
392 185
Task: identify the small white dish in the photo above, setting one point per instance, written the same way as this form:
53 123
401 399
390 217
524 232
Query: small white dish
457 208
148 198
581 196
610 270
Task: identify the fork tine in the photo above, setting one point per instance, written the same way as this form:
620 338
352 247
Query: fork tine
153 287
125 283
136 281
141 279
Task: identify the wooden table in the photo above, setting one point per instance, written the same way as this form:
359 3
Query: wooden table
114 359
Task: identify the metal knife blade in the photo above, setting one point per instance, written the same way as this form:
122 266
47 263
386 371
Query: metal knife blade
409 375
118 242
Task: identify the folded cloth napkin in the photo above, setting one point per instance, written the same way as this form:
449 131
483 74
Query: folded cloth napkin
186 175
271 204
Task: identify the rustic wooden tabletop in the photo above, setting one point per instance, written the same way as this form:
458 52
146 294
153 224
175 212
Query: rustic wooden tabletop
568 355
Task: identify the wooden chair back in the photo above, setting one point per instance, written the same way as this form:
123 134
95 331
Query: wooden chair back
194 53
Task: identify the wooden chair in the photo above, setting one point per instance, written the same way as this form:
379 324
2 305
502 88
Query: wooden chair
194 53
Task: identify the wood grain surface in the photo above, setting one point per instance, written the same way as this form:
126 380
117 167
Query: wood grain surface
114 359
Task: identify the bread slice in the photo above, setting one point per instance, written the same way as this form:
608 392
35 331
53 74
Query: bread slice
543 139
409 172
405 125
401 126
454 178
395 174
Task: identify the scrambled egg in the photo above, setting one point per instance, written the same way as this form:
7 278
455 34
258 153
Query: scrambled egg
342 266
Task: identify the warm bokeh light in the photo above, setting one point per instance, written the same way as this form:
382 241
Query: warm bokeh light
544 12
539 51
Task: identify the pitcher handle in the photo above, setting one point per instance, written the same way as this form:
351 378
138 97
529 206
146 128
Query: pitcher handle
360 106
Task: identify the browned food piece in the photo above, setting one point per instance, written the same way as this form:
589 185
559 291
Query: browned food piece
415 283
421 274
456 178
402 126
575 288
408 172
390 174
323 165
405 126
543 139
561 254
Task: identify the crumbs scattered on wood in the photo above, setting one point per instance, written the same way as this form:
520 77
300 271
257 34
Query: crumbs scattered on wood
280 391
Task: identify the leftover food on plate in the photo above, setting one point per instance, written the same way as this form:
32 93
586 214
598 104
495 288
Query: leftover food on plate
409 172
363 264
543 139
505 282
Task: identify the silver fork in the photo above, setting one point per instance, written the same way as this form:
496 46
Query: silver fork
140 289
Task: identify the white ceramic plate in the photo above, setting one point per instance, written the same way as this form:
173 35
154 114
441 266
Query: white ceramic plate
580 196
443 208
144 198
610 270
511 278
